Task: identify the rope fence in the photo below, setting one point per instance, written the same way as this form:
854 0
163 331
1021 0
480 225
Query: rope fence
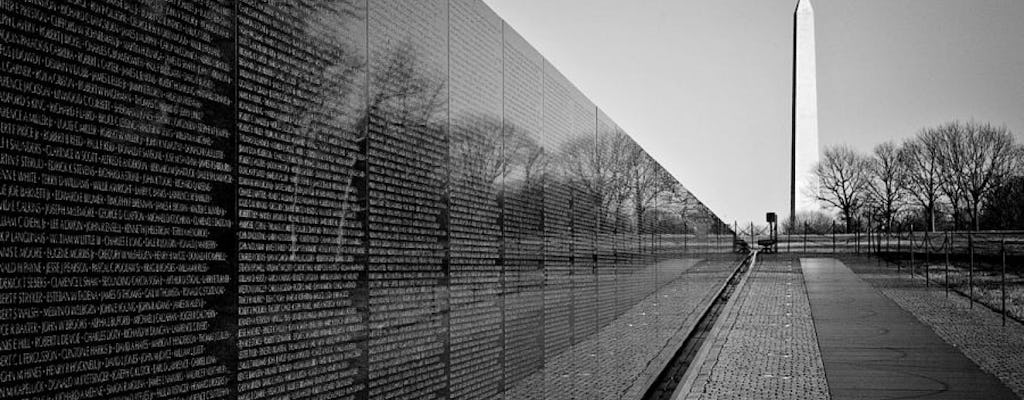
986 267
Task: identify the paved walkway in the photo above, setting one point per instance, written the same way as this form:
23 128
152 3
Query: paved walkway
819 331
873 349
764 345
976 331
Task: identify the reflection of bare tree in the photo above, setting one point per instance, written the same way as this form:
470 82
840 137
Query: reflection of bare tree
404 90
646 180
319 116
525 161
332 118
477 157
679 202
599 168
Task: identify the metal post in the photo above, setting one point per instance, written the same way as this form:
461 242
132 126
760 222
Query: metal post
856 241
970 281
899 249
949 247
889 236
752 242
805 237
1003 250
833 237
867 230
911 250
927 259
735 231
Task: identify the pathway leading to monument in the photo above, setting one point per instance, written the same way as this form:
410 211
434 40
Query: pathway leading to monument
813 329
873 349
764 345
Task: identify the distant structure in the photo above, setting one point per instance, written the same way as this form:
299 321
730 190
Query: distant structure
805 111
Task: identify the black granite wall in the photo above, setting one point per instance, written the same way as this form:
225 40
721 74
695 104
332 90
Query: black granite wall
359 199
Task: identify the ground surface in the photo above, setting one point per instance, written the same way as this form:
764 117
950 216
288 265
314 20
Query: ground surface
819 329
764 346
976 331
624 357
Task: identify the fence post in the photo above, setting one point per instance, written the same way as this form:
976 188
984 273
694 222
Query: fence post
833 237
1002 247
911 250
805 237
856 241
735 232
889 236
899 248
949 247
870 241
970 281
927 260
789 233
752 242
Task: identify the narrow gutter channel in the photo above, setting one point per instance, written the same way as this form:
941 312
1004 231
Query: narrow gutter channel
668 380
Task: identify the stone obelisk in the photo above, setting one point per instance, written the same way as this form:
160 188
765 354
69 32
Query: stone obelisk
805 112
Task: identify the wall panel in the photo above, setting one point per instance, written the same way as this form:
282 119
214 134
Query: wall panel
302 91
117 252
475 179
338 199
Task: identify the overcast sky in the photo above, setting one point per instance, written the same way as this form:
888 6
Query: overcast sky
705 85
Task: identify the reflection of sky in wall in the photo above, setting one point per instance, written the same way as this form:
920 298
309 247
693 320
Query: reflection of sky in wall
705 86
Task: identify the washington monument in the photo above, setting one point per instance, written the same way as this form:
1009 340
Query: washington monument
805 112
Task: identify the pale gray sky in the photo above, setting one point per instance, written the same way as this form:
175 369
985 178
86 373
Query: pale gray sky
705 85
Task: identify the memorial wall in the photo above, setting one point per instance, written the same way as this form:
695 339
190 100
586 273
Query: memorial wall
344 199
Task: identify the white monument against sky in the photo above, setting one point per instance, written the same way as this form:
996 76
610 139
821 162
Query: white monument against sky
805 111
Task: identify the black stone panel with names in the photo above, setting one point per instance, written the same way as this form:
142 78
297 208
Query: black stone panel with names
117 207
302 92
408 201
475 151
557 207
522 213
608 298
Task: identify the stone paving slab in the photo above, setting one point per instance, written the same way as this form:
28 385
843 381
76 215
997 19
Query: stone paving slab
764 345
976 332
621 360
873 349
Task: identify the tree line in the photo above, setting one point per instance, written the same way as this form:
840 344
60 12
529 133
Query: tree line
956 175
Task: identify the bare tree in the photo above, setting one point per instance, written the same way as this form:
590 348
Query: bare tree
886 188
976 158
920 159
842 181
